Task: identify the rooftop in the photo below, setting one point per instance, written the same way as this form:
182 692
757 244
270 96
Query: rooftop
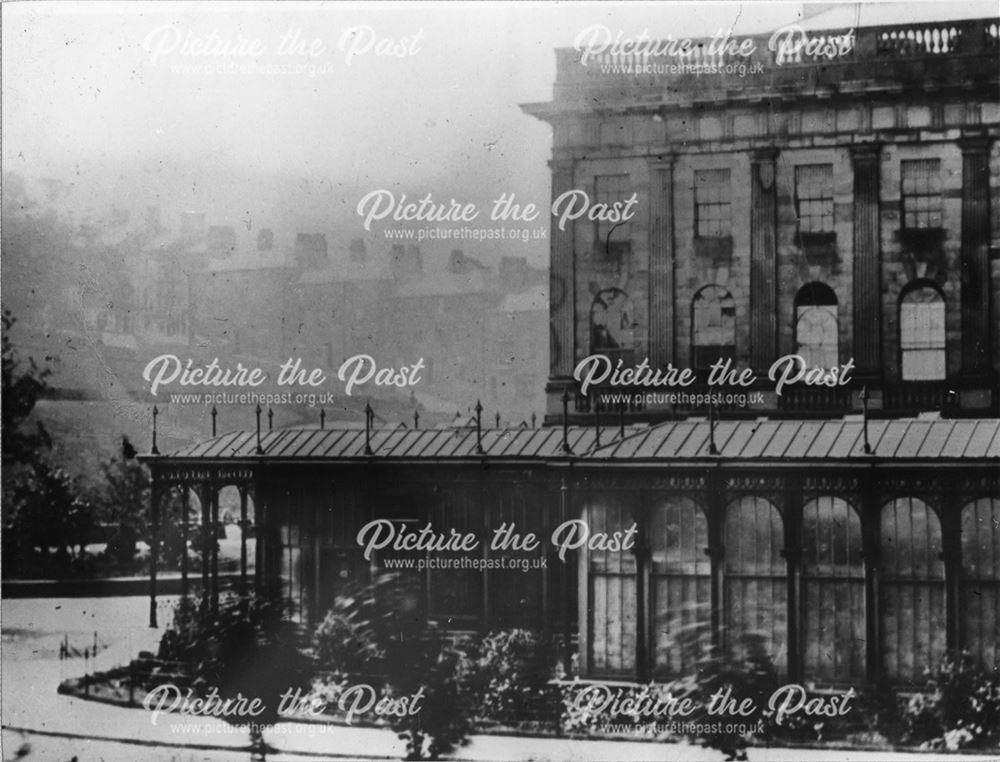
761 440
839 52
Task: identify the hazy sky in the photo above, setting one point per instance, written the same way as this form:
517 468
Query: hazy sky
117 97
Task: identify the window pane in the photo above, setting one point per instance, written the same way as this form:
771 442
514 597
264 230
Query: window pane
912 589
921 193
980 589
713 329
612 325
612 189
833 591
681 582
713 206
612 593
756 592
922 334
816 335
814 198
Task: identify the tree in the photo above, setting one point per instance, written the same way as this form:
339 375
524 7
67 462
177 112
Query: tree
49 511
122 501
22 387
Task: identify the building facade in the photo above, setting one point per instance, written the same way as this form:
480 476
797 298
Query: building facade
832 195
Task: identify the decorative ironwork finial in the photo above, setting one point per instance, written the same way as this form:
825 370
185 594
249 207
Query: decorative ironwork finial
322 419
565 403
270 419
597 422
498 419
154 449
712 449
534 419
621 419
260 450
416 419
215 415
479 427
369 416
864 417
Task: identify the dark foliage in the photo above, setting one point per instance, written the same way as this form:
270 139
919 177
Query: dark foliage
380 635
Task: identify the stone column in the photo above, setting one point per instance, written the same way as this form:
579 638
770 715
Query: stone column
867 292
763 259
661 262
976 319
562 305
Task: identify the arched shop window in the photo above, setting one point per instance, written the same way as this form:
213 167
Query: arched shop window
680 577
980 586
816 331
612 592
912 588
756 588
833 591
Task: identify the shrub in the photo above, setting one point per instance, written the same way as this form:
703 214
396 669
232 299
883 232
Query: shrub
245 647
959 708
510 674
379 634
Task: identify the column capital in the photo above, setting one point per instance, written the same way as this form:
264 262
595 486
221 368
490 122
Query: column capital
867 150
975 142
663 161
762 155
561 163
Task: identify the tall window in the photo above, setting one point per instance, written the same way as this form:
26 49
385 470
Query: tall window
612 330
833 591
612 593
816 334
921 193
713 326
515 595
922 333
756 587
814 198
980 589
681 584
912 589
455 594
712 203
614 239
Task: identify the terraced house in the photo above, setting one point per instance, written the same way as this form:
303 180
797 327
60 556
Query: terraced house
841 207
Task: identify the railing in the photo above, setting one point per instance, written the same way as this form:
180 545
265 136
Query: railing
910 41
834 55
915 397
812 400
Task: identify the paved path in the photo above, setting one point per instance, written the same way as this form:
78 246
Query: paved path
53 728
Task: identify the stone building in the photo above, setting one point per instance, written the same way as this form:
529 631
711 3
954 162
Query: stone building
828 194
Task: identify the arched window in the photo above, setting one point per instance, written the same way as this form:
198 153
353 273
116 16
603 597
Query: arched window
912 589
612 591
713 326
980 589
612 330
681 584
816 333
833 591
756 586
922 333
